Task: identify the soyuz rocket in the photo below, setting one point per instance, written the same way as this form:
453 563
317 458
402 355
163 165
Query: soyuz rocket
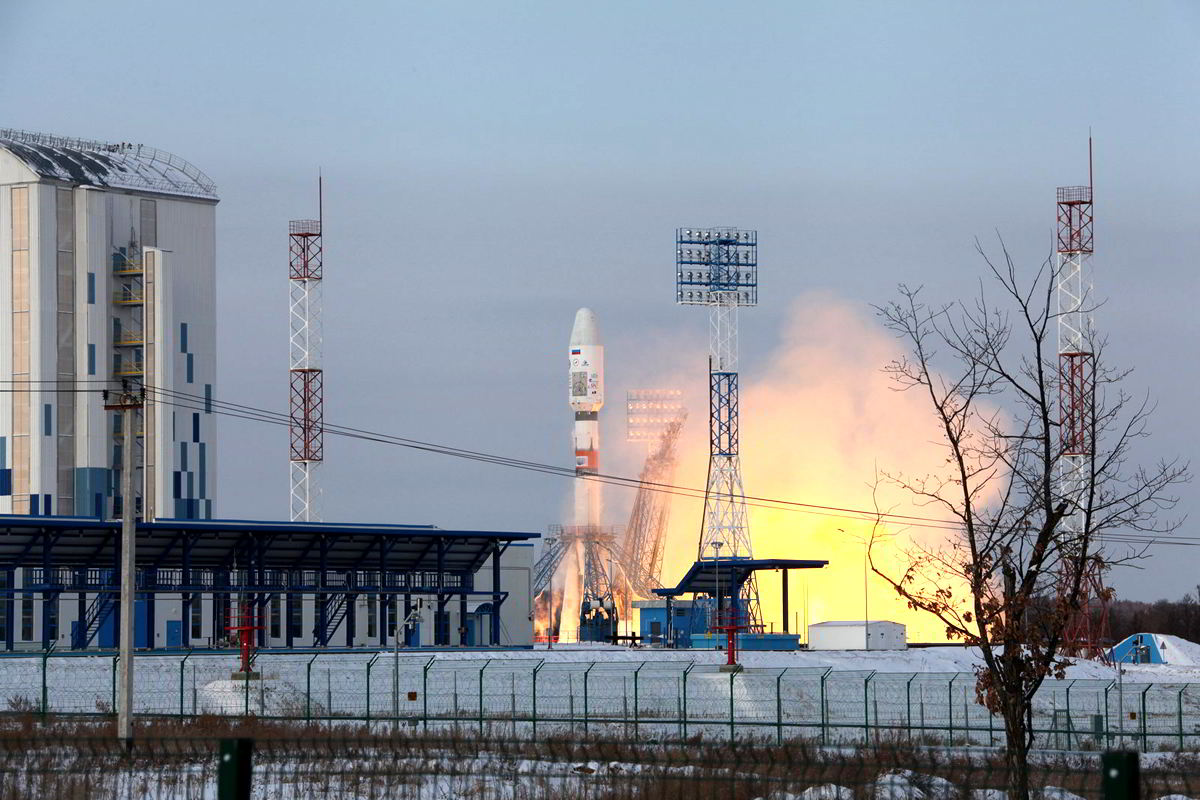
586 396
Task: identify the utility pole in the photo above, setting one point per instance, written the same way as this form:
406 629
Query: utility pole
128 403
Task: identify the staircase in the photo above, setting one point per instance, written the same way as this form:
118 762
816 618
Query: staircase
337 609
98 611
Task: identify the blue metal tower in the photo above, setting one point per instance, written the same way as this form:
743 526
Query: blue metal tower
718 268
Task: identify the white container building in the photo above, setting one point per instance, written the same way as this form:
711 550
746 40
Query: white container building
857 635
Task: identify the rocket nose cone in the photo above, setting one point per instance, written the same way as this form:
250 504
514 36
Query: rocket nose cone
584 331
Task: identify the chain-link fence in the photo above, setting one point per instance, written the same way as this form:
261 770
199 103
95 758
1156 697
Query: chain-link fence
171 761
661 698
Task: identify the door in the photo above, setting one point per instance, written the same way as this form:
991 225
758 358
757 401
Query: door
174 633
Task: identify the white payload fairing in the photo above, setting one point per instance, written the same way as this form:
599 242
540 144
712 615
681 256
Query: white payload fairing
585 394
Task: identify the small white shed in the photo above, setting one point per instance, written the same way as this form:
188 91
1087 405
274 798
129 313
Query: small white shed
857 635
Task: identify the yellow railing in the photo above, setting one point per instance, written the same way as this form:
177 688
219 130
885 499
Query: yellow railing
128 368
127 338
128 298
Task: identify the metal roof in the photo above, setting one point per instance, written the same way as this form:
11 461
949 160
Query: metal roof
134 167
704 575
90 542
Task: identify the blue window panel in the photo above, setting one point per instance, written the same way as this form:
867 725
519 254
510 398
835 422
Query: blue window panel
35 504
183 465
195 427
190 372
191 485
173 434
46 414
92 288
5 482
91 359
183 348
3 450
208 398
46 505
175 491
202 468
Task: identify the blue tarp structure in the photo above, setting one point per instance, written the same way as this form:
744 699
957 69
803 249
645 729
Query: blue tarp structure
1139 648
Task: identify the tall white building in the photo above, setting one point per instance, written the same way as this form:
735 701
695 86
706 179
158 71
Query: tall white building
107 274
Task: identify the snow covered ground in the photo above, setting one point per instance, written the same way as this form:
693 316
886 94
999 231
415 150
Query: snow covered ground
922 694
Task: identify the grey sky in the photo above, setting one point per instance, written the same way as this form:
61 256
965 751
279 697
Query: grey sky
493 166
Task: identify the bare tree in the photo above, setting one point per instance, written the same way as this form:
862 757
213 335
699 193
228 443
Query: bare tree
1011 573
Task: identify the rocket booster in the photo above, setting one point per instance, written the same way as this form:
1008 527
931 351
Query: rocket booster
586 397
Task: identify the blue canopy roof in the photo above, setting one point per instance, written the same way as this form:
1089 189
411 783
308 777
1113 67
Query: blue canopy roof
729 574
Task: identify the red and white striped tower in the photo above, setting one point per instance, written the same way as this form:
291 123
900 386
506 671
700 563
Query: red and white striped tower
306 395
1086 630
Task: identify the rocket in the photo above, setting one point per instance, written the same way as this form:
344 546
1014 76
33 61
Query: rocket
585 389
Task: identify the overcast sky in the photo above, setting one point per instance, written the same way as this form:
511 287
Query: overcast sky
492 166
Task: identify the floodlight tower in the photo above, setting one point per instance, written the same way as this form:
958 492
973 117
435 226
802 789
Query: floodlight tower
718 268
306 395
1077 384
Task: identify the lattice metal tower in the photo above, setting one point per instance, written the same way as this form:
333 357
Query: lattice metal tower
306 393
718 268
1077 384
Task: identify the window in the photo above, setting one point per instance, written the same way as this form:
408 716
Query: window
276 617
190 368
372 618
91 288
91 359
50 609
295 615
27 618
46 416
197 616
208 398
183 348
195 427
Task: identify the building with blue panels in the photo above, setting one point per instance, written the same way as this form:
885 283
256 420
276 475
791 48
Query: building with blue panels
107 276
300 584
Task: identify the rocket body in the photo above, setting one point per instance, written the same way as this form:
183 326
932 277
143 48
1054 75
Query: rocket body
585 395
586 398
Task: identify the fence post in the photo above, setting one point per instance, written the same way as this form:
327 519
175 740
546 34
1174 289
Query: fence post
779 708
908 705
1121 779
1107 737
637 721
867 711
181 683
533 718
235 768
824 708
690 667
1070 727
425 694
370 664
1180 708
585 696
481 671
731 677
308 687
45 691
114 682
1145 733
950 709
